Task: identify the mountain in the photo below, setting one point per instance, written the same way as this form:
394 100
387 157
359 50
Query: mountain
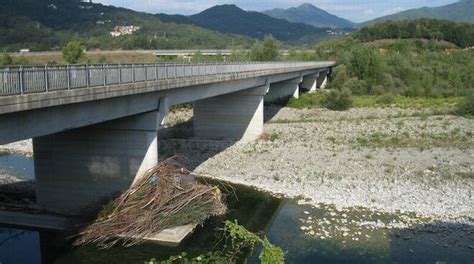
462 11
311 15
49 24
232 19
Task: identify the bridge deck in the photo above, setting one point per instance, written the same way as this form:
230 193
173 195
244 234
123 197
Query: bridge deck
26 88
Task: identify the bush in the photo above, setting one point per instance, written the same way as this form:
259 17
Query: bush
339 76
366 64
356 86
6 59
386 99
265 50
73 52
308 100
467 107
338 100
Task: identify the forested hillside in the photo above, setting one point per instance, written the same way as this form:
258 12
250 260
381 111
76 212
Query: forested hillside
48 24
311 15
462 34
462 11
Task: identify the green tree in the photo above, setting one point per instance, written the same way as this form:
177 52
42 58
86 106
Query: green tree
6 59
265 50
366 64
73 52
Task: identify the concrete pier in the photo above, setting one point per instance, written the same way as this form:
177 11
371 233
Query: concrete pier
316 81
283 90
231 116
310 83
322 79
76 169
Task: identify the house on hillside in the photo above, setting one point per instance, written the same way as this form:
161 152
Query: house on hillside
123 30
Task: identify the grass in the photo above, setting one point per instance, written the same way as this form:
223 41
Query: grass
111 57
407 102
425 140
315 100
272 137
308 100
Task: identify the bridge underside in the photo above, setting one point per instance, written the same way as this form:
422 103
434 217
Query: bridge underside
89 154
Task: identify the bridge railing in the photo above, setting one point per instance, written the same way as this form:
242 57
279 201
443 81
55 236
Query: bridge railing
37 79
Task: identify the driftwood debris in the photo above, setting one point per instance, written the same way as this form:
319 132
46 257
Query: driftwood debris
164 197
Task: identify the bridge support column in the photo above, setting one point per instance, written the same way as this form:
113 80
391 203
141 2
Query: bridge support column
322 79
310 83
231 116
284 90
315 81
78 168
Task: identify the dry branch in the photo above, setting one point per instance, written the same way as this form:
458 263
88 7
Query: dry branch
164 197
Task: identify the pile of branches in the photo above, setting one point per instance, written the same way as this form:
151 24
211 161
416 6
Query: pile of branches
163 197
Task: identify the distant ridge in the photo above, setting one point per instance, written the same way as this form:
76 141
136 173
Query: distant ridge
462 11
311 15
234 20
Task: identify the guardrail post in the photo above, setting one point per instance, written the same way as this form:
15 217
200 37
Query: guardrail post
156 71
104 72
176 71
68 77
145 68
88 81
21 79
120 73
46 81
133 73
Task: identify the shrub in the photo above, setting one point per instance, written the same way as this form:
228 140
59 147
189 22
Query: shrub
6 59
73 52
265 50
339 76
467 107
366 64
308 100
356 86
338 100
386 99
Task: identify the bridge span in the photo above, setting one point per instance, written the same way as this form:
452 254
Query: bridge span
95 127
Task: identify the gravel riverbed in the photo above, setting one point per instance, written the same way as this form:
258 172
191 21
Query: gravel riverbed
393 160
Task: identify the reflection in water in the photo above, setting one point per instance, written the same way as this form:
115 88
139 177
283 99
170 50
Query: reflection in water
18 166
19 246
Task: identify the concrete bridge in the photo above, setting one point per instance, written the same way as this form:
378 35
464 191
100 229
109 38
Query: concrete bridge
94 127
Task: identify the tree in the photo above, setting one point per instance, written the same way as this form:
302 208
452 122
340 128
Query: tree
265 50
73 52
6 59
366 64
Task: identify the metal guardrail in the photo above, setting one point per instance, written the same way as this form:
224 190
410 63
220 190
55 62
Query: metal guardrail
38 79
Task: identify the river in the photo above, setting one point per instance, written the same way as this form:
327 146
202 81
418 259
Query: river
306 233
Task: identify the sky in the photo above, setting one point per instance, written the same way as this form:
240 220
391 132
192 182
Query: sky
355 10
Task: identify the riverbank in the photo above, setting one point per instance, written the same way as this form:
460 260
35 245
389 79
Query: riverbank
24 147
392 160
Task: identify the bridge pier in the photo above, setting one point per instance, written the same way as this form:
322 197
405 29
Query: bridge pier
322 79
283 90
231 116
315 81
78 168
